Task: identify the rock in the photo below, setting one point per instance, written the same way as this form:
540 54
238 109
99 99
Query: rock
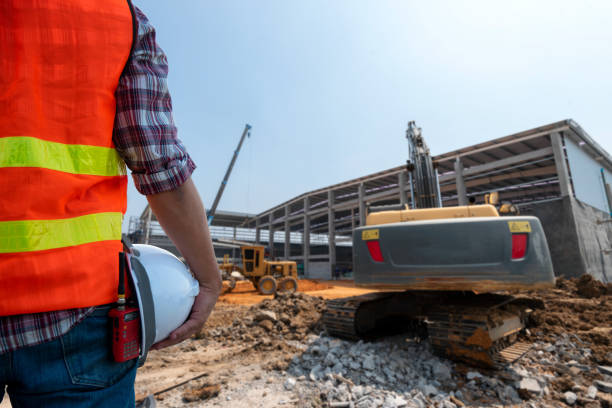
591 392
511 394
473 374
265 315
289 384
205 392
368 363
607 370
603 386
338 368
570 397
429 389
458 402
549 348
392 402
358 391
530 387
267 324
331 360
353 365
442 372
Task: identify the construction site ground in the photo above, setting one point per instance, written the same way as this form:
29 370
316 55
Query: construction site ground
261 351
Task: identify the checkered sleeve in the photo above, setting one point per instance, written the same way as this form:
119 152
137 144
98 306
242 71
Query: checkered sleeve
144 133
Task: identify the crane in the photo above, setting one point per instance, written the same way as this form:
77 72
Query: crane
213 208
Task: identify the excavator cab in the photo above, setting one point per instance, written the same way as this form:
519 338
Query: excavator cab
504 207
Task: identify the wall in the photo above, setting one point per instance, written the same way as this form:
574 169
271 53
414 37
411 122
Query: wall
557 219
594 239
586 177
318 270
576 240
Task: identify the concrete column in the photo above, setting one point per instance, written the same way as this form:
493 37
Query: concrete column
564 180
331 228
287 234
257 230
362 210
306 236
609 196
271 235
148 225
234 249
401 182
352 219
460 183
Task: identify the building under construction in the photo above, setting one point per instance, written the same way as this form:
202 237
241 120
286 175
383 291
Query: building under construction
556 172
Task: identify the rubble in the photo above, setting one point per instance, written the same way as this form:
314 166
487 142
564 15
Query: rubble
568 364
570 397
201 393
288 316
604 386
588 287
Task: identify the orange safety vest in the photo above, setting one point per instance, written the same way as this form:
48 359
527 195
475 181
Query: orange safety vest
62 183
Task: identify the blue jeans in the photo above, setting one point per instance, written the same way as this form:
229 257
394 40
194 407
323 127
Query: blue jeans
75 370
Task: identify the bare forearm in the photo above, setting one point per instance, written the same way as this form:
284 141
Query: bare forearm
182 216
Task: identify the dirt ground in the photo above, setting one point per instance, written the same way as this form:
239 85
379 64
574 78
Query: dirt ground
241 356
239 360
245 294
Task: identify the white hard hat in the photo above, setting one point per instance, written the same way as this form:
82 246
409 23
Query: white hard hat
165 290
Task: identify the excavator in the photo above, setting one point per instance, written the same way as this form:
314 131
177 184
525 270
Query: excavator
444 272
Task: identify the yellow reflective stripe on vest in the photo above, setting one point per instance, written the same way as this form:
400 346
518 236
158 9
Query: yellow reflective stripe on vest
25 151
38 235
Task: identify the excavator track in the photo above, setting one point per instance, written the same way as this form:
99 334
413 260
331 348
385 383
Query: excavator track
476 329
340 318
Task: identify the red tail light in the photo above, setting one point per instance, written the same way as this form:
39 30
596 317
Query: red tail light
519 245
375 253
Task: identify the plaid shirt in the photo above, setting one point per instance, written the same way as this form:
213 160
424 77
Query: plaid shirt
145 136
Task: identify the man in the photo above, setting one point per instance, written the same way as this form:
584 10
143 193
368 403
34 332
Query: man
82 90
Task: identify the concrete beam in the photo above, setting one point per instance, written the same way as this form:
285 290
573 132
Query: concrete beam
500 164
460 183
493 144
562 173
540 171
331 230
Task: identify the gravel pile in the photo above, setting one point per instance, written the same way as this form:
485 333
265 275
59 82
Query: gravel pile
399 372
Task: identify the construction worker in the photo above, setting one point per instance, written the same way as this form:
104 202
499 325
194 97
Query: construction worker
83 90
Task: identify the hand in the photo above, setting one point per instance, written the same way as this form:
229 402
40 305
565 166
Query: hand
202 307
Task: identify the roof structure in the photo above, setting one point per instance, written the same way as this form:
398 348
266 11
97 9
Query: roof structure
521 167
526 168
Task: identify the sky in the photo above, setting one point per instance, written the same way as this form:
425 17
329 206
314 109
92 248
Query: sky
329 86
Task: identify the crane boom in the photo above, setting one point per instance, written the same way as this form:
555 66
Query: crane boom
213 208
